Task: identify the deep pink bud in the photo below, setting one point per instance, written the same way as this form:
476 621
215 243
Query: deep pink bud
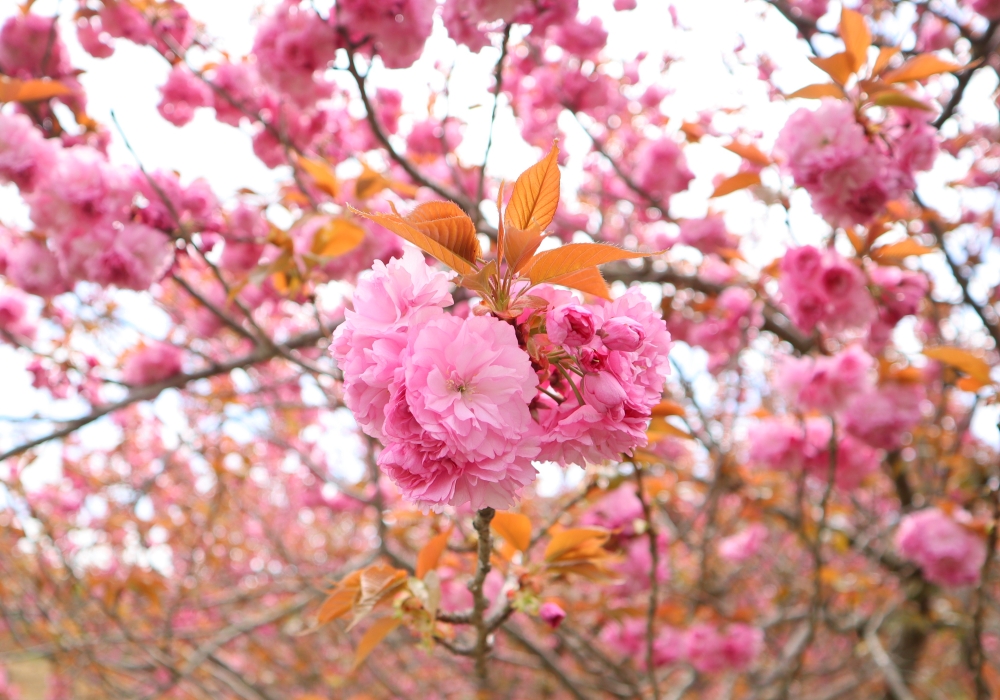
551 614
593 360
570 324
622 333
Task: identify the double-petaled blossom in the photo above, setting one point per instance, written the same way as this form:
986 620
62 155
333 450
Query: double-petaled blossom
463 408
947 551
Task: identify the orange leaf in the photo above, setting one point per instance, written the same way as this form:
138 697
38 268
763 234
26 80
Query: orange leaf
895 98
739 181
885 55
377 583
587 280
693 131
514 528
660 429
449 225
519 245
337 237
428 558
341 599
379 630
369 183
857 37
900 250
536 194
668 408
919 67
837 67
815 92
321 173
14 90
750 152
435 235
571 543
963 360
574 257
969 384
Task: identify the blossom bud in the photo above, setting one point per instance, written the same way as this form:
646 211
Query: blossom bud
570 324
622 333
603 392
551 614
593 360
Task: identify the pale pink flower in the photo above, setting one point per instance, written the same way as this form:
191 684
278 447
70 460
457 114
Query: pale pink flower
25 155
32 267
398 28
181 95
881 417
709 235
152 364
368 345
744 544
948 553
14 320
825 384
662 169
569 324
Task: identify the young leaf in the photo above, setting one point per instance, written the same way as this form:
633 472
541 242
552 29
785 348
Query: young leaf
322 174
895 98
587 280
575 543
480 281
369 183
573 257
408 231
513 527
815 92
974 366
14 90
900 250
660 429
429 556
837 67
449 225
919 67
857 38
536 194
520 244
341 599
749 152
379 630
885 55
337 237
668 408
377 583
739 181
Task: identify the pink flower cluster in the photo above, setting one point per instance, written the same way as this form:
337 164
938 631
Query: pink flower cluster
662 171
152 364
850 174
708 648
783 445
723 329
84 204
824 288
620 349
461 406
947 551
827 383
398 28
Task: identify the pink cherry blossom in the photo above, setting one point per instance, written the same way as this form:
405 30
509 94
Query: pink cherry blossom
570 324
152 364
825 384
947 552
181 95
551 614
